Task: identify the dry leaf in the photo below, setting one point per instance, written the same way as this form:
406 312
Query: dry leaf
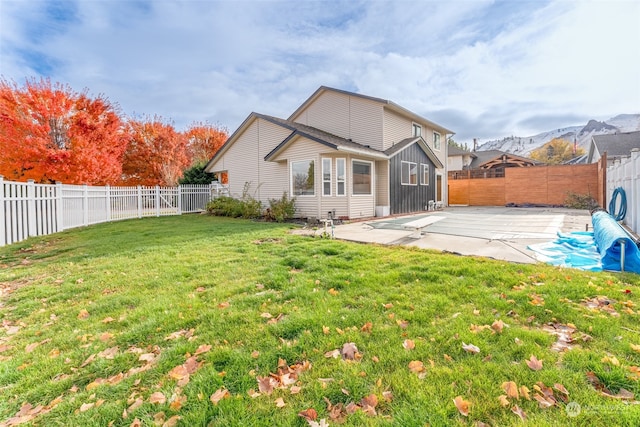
416 366
172 422
497 326
635 347
86 406
224 305
333 353
135 405
462 405
511 389
83 314
280 403
470 348
519 412
325 330
202 349
623 394
157 397
408 344
218 395
350 352
503 400
534 364
308 414
367 327
333 292
524 392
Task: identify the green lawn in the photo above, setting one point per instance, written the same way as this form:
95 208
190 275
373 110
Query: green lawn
199 321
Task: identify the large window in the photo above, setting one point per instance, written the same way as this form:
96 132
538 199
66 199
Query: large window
417 130
425 174
326 177
409 173
361 177
302 174
436 141
341 177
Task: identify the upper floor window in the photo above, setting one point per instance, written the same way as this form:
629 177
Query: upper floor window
436 141
417 130
302 178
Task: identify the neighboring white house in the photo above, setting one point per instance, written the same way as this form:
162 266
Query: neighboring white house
340 152
616 145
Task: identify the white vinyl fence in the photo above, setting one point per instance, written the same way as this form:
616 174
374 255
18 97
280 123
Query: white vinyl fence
625 173
29 209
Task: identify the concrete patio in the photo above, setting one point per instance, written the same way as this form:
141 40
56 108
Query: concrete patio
496 232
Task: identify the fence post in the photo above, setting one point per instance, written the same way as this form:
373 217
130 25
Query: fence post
3 237
635 183
179 199
59 207
31 208
139 201
85 205
108 191
157 200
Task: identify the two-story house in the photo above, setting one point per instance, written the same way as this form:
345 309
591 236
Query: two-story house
354 155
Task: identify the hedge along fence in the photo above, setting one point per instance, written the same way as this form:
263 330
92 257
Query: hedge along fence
547 185
28 209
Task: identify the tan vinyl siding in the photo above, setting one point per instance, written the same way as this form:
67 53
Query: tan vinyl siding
366 122
427 135
272 176
329 112
242 161
396 128
382 183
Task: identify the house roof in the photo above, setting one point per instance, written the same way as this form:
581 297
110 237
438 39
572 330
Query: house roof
399 146
389 104
617 144
484 157
317 135
455 151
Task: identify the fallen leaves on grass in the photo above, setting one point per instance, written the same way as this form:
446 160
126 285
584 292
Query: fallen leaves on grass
284 378
218 395
158 397
349 351
470 348
408 344
83 314
534 364
462 405
188 334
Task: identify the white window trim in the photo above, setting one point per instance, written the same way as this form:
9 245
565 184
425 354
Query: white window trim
291 178
425 168
330 176
344 181
409 163
413 126
372 178
439 139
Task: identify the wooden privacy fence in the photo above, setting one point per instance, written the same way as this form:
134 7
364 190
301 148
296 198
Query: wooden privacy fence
546 185
29 209
625 173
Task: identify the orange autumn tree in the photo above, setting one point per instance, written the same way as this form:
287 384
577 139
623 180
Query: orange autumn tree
156 154
204 141
48 133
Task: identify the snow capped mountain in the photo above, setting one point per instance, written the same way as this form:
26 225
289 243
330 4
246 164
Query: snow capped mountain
523 146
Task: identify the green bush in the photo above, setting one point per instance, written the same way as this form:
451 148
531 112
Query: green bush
282 209
225 206
580 201
246 207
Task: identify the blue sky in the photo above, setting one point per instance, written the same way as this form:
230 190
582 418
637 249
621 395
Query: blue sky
485 69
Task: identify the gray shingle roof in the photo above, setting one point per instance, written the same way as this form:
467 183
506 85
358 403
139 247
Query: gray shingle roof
317 135
617 144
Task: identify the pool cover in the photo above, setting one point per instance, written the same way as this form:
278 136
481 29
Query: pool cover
593 251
